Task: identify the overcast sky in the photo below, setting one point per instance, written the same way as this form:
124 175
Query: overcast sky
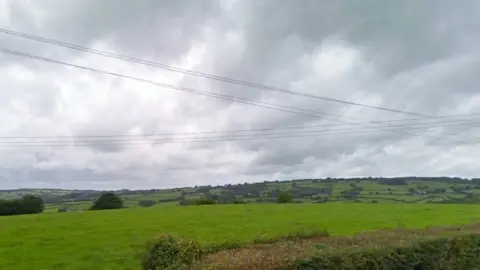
416 56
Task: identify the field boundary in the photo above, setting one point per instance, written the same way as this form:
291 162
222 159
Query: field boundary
323 252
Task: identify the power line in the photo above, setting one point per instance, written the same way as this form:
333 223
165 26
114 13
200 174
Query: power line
228 138
259 130
189 90
206 93
210 76
198 74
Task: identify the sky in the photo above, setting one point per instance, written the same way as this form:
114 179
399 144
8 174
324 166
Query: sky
412 56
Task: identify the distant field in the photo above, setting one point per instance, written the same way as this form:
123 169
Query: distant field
111 239
365 190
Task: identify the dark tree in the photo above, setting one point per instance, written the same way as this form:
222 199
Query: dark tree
28 204
32 204
284 197
6 208
107 200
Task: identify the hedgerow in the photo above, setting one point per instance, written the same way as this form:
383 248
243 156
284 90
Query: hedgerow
169 252
459 252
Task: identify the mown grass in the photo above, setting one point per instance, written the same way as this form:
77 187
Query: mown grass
113 239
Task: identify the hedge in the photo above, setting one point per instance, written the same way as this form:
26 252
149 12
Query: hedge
460 252
170 253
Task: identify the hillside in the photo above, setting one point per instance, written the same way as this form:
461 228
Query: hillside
368 190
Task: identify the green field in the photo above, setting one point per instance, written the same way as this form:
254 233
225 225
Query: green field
113 239
364 190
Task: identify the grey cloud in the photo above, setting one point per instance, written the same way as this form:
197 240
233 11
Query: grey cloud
155 28
162 30
396 36
404 33
409 55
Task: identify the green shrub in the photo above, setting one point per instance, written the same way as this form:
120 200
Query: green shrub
28 204
106 201
168 252
284 197
461 252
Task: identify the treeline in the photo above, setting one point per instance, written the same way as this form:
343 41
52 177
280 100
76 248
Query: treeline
258 191
28 204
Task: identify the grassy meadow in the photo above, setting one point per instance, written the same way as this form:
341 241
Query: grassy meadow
114 239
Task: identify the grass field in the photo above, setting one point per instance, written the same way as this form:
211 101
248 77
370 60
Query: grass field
307 191
112 239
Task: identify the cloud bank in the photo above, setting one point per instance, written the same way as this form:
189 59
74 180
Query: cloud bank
410 55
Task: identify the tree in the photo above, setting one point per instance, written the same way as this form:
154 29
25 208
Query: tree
6 208
28 204
146 203
107 200
284 197
32 204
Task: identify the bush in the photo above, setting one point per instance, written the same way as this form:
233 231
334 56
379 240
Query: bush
28 204
168 252
107 200
443 253
146 203
284 197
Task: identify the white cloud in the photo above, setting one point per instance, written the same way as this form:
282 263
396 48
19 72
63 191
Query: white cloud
341 51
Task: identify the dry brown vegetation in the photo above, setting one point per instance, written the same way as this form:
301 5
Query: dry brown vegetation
274 255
